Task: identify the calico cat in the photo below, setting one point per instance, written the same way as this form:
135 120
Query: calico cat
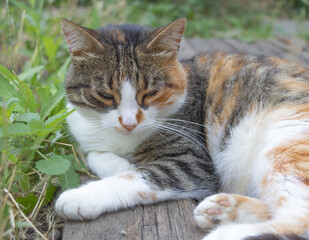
155 129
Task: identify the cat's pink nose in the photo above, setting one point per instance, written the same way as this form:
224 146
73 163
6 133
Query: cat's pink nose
129 128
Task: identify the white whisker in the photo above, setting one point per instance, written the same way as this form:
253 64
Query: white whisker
185 134
180 120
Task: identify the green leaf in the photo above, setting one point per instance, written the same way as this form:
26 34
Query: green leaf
2 142
51 47
81 167
36 125
69 179
27 202
19 129
53 166
11 88
13 158
12 103
30 73
7 73
50 192
30 99
10 77
24 182
62 71
54 120
5 214
44 94
26 117
7 90
53 103
22 224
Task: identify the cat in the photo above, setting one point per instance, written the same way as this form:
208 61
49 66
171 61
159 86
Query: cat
154 129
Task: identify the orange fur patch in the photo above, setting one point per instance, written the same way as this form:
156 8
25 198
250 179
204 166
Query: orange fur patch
222 70
117 34
229 104
140 117
293 84
252 206
280 201
178 78
297 225
147 196
292 158
128 176
169 95
201 60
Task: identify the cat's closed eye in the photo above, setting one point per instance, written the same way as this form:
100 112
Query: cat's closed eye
149 94
106 95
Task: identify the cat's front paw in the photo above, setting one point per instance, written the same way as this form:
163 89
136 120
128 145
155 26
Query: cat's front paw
215 210
78 204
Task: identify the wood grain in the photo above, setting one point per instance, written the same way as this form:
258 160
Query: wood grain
172 220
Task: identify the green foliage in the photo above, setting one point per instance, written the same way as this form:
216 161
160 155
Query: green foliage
55 165
31 119
36 151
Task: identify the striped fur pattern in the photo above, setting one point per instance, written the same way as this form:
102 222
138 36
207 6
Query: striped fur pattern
156 129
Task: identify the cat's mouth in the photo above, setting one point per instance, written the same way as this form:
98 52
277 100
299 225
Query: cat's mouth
125 131
135 131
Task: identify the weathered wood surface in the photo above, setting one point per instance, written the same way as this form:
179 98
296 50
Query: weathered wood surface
292 49
173 220
169 221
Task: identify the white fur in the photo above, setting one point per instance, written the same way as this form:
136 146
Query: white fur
128 106
242 164
233 232
94 198
96 132
105 164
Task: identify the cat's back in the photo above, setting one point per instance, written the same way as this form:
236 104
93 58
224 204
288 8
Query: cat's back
238 82
251 103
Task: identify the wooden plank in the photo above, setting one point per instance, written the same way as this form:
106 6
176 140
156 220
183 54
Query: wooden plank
172 220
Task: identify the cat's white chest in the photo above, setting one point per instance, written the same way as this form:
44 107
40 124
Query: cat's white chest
93 136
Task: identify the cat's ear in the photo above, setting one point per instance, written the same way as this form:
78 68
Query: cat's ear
166 40
82 41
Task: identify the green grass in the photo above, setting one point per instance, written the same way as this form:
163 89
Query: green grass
37 155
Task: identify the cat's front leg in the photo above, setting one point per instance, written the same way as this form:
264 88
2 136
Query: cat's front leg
106 195
106 164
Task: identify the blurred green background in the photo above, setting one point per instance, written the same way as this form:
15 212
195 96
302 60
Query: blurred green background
33 62
26 25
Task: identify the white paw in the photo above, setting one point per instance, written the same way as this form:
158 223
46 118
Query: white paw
78 204
214 210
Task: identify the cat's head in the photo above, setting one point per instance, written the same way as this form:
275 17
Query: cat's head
126 75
